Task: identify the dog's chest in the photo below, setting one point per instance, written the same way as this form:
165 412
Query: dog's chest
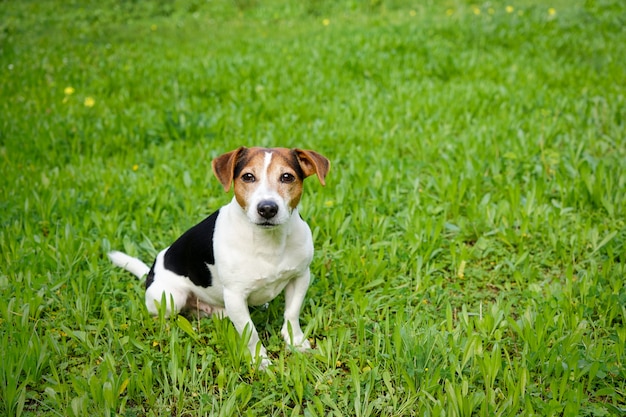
259 264
265 286
262 279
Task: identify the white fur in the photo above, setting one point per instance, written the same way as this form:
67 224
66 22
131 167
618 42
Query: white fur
132 265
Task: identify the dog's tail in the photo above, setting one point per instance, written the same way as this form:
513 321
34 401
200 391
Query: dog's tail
133 265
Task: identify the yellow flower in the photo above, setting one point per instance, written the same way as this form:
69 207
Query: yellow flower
551 11
326 22
476 10
329 203
153 28
509 9
461 272
69 91
135 167
412 13
449 12
90 102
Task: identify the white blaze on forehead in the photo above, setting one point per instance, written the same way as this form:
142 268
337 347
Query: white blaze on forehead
266 163
264 176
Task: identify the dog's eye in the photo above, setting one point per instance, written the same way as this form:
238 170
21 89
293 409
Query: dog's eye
248 178
287 178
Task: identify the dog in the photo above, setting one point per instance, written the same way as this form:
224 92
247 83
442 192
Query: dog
245 253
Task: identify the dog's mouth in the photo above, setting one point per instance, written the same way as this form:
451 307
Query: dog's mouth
267 225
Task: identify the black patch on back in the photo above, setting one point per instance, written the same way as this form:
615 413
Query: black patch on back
150 278
191 253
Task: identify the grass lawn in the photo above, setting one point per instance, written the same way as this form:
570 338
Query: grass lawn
470 242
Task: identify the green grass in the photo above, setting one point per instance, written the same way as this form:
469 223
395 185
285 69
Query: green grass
470 243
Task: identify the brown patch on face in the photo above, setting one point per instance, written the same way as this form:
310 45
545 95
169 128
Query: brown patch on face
282 175
285 176
248 174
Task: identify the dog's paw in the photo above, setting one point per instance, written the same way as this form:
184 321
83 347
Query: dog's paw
295 338
264 364
259 360
304 346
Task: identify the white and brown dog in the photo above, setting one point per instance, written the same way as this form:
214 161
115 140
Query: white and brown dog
245 253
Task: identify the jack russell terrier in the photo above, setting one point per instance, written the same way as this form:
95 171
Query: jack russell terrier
245 253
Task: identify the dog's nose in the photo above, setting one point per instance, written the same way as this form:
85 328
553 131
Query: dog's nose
267 209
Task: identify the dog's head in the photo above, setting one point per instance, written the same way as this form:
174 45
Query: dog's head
268 181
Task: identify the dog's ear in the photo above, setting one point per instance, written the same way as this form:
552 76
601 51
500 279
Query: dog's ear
312 162
224 167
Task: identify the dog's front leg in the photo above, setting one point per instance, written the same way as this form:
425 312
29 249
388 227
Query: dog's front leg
238 312
294 297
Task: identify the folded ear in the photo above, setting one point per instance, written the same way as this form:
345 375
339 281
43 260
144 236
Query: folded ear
224 167
312 162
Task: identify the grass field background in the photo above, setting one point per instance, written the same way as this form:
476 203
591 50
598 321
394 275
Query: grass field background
470 243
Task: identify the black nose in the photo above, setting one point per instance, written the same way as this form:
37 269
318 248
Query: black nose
267 209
